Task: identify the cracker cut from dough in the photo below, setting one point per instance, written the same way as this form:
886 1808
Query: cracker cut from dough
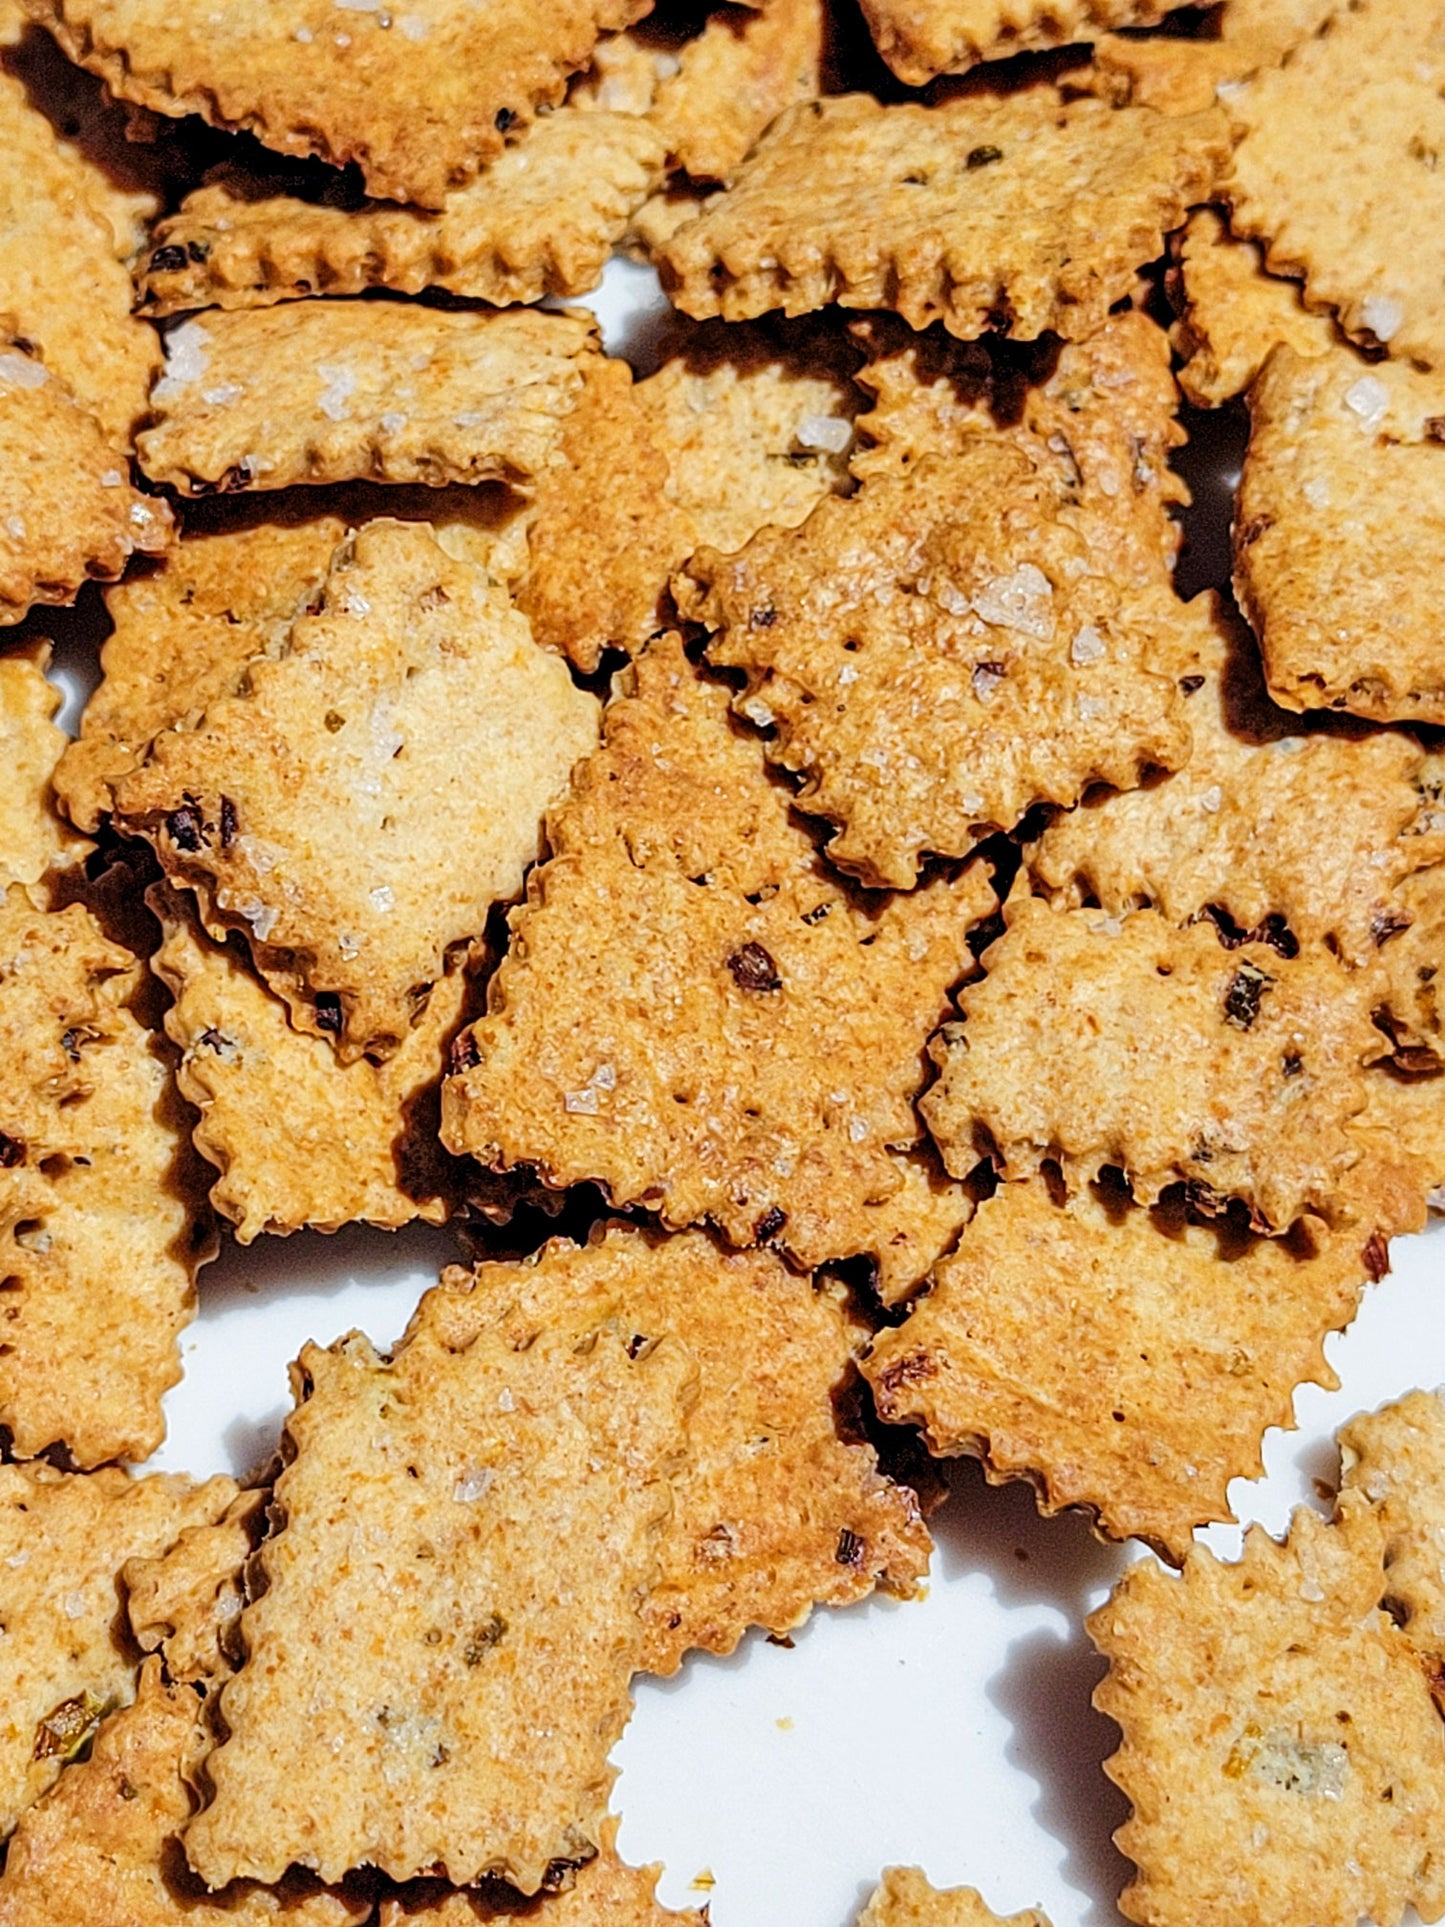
1186 75
438 1664
904 1898
1021 213
360 806
734 80
1396 1458
184 1603
337 391
34 837
1412 954
921 39
695 1011
1235 312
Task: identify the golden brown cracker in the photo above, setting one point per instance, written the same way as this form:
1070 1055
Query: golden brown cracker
920 39
1281 1748
1412 953
1186 75
65 1659
1127 1361
776 1509
1350 197
1234 312
34 837
878 207
695 1011
1396 1458
1097 1040
969 659
184 1602
358 808
419 100
438 1664
904 1898
1403 1130
734 80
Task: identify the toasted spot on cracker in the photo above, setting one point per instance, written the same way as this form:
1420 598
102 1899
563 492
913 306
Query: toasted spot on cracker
904 1898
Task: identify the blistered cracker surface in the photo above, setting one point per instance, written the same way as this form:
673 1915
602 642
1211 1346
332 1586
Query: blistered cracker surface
438 1665
1128 1361
1403 1130
734 80
336 391
298 1138
65 1537
184 1602
1238 827
376 789
632 1034
1099 1040
876 207
904 1898
1235 312
100 1846
922 38
1339 533
939 653
539 220
1396 1458
1349 197
33 834
67 510
1281 1748
420 104
102 1218
776 1509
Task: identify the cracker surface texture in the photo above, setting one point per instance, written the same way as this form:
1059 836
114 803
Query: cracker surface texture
734 80
1396 1458
34 837
1235 312
184 1603
921 39
904 1898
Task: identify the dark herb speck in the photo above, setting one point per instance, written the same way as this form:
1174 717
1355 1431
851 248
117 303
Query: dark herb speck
753 968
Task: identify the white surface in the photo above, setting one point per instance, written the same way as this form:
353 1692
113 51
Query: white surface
955 1732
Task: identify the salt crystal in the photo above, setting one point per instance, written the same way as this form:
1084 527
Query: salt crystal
21 372
1382 315
1090 708
112 478
414 27
219 396
340 387
1212 799
16 526
1368 398
583 1102
472 1484
1021 600
382 898
73 1605
830 434
986 678
1316 492
1087 646
857 1129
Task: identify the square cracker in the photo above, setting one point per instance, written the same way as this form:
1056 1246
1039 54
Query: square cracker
1339 535
847 201
1185 75
184 1603
1396 1458
336 391
438 1664
360 806
699 1014
34 837
904 1898
1233 312
420 107
776 1509
921 39
1097 1040
733 81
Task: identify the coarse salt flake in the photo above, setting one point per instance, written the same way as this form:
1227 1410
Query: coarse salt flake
1212 800
1368 398
340 387
112 478
19 371
828 434
1087 646
382 898
1021 600
1091 708
1316 492
583 1102
224 392
473 1484
1382 315
986 678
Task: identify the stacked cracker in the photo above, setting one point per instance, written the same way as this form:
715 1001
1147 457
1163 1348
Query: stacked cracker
923 942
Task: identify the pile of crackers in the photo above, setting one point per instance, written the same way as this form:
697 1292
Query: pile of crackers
756 841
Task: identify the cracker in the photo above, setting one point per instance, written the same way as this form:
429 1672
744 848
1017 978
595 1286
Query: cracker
1235 312
298 1138
1396 1458
969 660
1124 1360
1403 1129
1339 531
876 207
419 109
1350 198
99 1845
923 38
373 791
694 1011
438 1664
776 1509
1281 1748
65 1659
734 80
540 220
336 391
1412 955
1238 828
104 1225
67 511
1099 1040
184 1603
904 1898
1184 76
33 836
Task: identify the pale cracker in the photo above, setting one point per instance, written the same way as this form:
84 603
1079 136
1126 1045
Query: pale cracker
1237 828
1396 1458
1336 171
540 220
920 39
34 837
99 1846
1123 1360
695 1012
184 1603
65 1660
1097 1040
337 391
1185 75
420 106
298 1138
877 207
1281 1748
359 808
1339 533
776 1509
734 80
437 1666
1234 312
103 1219
904 1898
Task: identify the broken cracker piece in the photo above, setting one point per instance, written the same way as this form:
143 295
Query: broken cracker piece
1097 1040
1396 1458
34 837
437 1666
695 1011
374 790
921 39
1412 954
184 1602
1234 312
1185 75
734 80
1021 213
904 1898
335 391
1403 1129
